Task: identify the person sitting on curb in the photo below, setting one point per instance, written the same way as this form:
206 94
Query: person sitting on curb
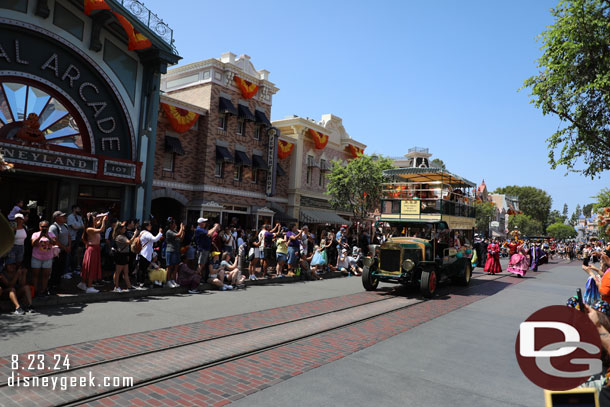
188 276
156 274
343 265
13 283
216 273
232 272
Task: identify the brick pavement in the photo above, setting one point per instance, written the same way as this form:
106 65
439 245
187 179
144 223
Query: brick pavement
173 360
222 384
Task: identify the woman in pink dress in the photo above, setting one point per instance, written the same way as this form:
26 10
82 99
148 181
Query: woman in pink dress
92 261
519 262
492 265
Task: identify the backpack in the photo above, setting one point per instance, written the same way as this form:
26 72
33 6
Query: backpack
136 245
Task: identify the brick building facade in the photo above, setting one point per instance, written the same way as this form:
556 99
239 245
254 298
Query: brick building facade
223 171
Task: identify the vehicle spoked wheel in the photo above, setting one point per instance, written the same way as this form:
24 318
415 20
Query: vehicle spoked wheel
465 279
428 283
369 281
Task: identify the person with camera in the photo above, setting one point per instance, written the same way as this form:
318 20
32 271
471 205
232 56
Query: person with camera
61 264
147 241
92 261
173 239
42 258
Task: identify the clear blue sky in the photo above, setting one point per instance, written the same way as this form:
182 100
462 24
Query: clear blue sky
440 74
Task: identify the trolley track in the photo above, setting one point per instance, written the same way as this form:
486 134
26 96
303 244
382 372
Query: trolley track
369 310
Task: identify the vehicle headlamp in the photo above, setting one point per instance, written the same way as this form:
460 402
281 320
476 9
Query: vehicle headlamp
408 265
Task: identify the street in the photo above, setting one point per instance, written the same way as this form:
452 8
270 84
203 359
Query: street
337 345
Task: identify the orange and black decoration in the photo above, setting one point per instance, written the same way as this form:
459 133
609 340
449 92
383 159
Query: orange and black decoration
137 40
181 120
247 88
284 149
320 140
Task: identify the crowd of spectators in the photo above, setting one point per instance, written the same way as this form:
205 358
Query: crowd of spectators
97 251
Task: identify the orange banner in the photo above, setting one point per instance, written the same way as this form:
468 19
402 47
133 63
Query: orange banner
181 120
284 149
136 40
356 152
320 140
248 89
91 5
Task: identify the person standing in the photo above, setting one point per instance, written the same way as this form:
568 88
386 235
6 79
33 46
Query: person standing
492 265
147 241
204 245
173 243
14 258
535 254
228 241
61 262
122 244
42 258
293 237
76 227
92 261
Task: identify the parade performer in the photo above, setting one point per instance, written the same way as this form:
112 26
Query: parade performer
519 263
535 255
513 247
492 265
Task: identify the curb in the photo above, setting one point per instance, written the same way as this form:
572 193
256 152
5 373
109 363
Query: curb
68 299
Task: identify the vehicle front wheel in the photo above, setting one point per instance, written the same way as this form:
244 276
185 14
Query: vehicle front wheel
369 282
428 283
465 279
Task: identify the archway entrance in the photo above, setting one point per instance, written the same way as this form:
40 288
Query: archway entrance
163 208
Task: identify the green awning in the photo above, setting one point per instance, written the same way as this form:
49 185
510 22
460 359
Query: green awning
321 216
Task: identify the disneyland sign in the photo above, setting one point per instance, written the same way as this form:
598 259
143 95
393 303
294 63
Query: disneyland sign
44 158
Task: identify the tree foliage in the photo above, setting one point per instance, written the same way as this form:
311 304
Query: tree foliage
356 187
587 210
576 215
565 211
526 225
556 217
533 201
485 212
574 84
438 163
602 199
561 231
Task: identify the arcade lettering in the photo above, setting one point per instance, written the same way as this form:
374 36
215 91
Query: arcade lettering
46 58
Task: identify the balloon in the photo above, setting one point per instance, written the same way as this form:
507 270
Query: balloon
459 255
468 251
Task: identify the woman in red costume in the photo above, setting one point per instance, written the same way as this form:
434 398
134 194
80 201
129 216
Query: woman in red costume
492 265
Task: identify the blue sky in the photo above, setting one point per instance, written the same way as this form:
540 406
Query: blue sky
443 75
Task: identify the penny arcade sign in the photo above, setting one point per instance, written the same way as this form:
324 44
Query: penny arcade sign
97 137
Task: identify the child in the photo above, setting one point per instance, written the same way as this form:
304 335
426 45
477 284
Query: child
343 264
156 274
231 271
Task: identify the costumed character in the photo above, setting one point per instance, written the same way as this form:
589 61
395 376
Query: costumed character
519 262
535 255
492 265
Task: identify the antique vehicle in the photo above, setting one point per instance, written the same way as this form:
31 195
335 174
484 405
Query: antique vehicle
432 219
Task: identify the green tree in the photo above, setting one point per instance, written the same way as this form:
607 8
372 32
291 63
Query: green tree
602 199
438 163
357 186
556 217
561 231
526 225
587 210
565 211
575 215
485 212
573 83
533 202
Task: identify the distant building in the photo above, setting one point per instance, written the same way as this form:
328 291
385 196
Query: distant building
416 157
586 227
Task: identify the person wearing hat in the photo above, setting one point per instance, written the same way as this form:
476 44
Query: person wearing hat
15 255
62 234
343 263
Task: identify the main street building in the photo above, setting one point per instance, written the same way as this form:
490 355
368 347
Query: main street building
79 95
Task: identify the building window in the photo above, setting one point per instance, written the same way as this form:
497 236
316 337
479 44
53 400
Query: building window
222 122
124 66
17 5
241 127
168 161
237 169
254 175
65 19
257 133
219 169
309 169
